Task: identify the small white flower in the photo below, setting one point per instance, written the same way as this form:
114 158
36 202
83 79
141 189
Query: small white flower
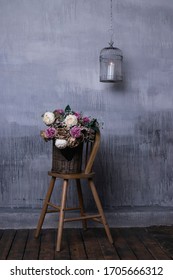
48 118
61 143
70 120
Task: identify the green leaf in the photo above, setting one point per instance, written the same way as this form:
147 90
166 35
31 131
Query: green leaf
96 128
67 109
94 125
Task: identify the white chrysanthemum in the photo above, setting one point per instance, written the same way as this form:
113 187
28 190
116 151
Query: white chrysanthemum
48 118
61 143
70 120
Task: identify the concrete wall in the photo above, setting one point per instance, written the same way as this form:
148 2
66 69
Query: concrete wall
49 57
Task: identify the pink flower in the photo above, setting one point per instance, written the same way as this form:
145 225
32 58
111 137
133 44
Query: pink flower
75 132
50 132
78 115
86 120
59 111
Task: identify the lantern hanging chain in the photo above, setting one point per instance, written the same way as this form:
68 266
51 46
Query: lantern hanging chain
111 25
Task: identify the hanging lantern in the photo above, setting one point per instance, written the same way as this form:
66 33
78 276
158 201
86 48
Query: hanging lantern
111 62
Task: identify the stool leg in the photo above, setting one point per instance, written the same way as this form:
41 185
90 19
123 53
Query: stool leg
61 214
100 209
81 204
45 206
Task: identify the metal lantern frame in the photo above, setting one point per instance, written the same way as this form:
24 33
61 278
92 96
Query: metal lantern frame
111 65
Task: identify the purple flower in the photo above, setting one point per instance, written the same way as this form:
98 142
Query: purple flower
59 111
78 115
86 120
50 132
75 132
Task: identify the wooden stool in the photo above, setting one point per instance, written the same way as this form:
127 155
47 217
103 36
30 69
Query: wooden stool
86 174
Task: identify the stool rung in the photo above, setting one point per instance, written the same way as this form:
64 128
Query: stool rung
81 218
71 208
54 206
58 208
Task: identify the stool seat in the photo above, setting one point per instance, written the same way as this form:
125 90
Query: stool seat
72 176
88 175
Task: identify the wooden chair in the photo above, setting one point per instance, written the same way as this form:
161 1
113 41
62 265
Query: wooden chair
86 174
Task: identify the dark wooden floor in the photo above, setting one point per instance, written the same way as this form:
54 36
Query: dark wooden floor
129 244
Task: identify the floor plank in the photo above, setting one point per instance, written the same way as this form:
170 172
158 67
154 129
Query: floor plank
108 250
18 246
32 247
136 245
1 233
92 247
164 236
122 247
6 242
153 246
76 245
47 248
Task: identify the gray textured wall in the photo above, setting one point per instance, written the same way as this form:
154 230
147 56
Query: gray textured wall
49 57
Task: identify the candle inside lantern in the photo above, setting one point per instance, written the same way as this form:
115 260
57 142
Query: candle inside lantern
110 71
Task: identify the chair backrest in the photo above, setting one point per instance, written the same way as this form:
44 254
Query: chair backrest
90 153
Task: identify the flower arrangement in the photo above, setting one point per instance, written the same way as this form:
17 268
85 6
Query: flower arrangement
68 128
